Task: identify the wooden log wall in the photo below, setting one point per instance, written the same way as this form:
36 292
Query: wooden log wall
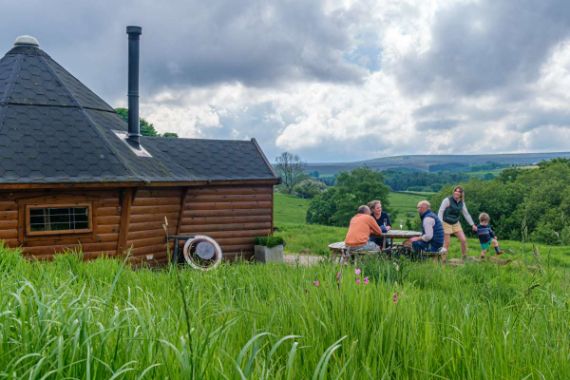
105 206
9 221
233 215
146 237
133 219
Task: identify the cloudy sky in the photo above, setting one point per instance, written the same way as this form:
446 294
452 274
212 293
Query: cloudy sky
329 80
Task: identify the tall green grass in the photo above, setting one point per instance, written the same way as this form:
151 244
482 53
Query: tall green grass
102 320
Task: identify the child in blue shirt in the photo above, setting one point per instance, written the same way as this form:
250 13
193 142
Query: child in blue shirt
486 235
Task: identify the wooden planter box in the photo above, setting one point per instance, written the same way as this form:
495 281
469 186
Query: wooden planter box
269 255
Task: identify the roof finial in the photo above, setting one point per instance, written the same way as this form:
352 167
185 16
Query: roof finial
26 41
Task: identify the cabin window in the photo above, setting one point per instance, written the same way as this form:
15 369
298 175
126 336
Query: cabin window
58 219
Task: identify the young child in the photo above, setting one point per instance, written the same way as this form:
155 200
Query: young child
486 235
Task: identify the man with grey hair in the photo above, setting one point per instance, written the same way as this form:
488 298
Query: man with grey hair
362 225
431 239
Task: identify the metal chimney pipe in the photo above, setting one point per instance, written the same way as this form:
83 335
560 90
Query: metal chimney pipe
134 33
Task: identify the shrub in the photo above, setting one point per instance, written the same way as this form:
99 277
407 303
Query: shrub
309 188
269 241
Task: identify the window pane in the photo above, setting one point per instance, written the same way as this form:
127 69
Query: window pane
59 219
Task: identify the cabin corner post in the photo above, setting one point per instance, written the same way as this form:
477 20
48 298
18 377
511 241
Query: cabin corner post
181 212
126 201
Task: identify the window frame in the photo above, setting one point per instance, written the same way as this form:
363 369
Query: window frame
89 207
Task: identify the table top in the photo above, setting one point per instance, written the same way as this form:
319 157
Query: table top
401 234
390 234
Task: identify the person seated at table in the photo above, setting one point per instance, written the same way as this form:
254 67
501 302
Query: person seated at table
362 225
382 218
432 236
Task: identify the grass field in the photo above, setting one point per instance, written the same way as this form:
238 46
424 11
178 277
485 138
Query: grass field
102 320
70 319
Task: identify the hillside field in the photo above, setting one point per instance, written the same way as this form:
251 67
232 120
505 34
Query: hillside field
101 319
289 214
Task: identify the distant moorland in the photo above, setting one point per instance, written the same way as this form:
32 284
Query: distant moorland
435 163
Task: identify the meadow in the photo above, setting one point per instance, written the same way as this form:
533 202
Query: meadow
104 320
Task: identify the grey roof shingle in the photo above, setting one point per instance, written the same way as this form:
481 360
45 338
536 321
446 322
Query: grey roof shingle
53 129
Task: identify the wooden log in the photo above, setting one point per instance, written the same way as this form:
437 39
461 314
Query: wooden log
156 201
158 193
221 197
244 233
226 219
8 224
188 213
9 215
231 190
147 226
107 228
153 240
8 206
225 227
227 205
107 211
156 218
158 249
9 234
136 235
86 248
109 220
154 210
11 243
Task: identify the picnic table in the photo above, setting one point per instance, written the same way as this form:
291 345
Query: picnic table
339 247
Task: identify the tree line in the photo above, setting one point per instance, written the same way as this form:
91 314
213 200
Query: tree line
524 204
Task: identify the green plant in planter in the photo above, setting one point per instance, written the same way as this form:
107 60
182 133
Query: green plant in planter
269 241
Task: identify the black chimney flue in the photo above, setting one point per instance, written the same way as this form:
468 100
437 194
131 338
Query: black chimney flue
134 33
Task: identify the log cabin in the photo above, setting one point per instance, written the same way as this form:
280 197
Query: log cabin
75 176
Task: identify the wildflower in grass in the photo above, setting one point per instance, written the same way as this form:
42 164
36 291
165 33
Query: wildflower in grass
357 271
358 281
395 297
366 280
317 283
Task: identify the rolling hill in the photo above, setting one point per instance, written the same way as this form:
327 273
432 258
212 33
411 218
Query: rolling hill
436 162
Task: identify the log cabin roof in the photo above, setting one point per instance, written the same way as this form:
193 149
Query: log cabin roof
53 129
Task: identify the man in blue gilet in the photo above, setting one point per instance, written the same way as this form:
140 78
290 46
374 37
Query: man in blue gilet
431 239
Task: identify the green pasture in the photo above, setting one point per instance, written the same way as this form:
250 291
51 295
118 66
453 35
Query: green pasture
69 319
291 209
289 214
103 320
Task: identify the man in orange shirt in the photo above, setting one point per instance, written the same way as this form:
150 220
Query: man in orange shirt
359 230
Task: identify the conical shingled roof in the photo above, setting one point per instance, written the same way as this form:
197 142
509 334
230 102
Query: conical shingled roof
53 129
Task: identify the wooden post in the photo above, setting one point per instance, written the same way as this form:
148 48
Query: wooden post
127 198
182 201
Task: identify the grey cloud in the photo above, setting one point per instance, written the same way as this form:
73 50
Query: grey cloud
537 119
436 125
484 46
188 43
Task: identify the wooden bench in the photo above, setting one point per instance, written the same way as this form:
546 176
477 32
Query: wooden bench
339 249
343 252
